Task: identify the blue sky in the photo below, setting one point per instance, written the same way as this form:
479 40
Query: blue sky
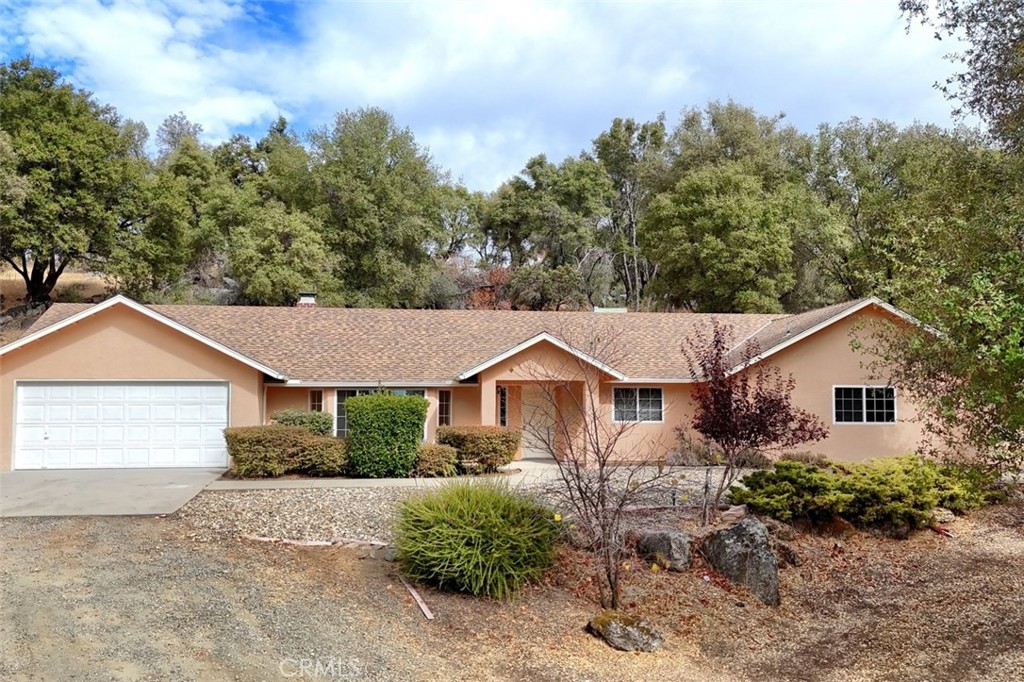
484 85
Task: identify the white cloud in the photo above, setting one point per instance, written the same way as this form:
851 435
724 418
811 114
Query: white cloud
485 85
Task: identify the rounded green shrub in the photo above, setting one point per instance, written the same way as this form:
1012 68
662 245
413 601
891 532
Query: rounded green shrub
264 451
323 456
436 461
477 537
320 423
384 434
481 448
274 450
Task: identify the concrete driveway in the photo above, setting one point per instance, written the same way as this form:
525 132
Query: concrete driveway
100 492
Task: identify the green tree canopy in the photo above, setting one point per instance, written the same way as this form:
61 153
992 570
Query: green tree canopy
378 196
72 167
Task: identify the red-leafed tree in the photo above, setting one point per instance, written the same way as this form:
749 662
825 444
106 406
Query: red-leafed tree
743 405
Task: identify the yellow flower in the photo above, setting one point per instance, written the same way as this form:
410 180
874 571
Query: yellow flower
655 568
558 517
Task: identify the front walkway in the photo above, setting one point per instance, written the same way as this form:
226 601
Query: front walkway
521 472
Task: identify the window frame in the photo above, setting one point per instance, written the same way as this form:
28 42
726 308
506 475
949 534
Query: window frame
864 405
309 402
441 403
353 392
502 399
636 392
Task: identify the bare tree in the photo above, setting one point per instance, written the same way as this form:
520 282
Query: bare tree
605 467
743 405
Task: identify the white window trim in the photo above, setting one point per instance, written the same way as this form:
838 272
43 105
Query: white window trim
637 393
362 390
864 406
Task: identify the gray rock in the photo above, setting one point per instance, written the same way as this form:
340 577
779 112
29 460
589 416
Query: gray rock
743 555
625 632
942 515
735 513
668 548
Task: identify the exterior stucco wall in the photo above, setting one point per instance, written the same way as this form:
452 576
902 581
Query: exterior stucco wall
119 344
826 359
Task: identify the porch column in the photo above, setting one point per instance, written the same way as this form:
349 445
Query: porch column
488 402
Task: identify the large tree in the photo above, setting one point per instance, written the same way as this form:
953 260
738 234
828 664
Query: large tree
722 242
991 84
74 166
378 193
633 156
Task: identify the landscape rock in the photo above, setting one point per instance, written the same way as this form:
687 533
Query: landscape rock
785 551
942 515
668 548
625 632
743 554
779 529
734 514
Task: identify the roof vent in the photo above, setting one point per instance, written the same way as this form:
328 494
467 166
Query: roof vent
307 300
598 309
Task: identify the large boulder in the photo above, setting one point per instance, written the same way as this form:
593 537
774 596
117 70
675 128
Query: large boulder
668 548
743 554
625 632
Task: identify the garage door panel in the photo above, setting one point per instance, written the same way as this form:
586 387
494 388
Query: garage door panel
32 414
106 424
163 413
85 392
137 413
58 413
81 458
110 457
85 414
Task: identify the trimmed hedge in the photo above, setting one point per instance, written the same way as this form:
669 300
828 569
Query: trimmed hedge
483 448
274 450
895 493
320 423
436 461
385 431
479 538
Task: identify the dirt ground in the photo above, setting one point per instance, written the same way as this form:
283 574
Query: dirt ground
136 599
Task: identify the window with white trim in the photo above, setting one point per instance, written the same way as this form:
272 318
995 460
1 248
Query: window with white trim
864 404
638 405
343 394
444 407
316 400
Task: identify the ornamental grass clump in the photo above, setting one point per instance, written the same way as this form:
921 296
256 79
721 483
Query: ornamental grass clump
480 538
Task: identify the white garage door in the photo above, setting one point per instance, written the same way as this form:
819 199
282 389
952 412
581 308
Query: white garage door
92 425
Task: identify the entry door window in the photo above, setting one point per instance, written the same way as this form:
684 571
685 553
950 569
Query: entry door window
502 406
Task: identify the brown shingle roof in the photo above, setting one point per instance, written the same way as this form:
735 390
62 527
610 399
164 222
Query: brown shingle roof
383 345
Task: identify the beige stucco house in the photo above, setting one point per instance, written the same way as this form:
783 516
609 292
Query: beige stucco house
119 384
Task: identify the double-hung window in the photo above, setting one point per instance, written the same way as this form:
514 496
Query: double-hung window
444 407
864 404
638 405
316 400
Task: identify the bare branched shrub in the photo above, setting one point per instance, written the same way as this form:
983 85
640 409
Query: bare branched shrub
605 467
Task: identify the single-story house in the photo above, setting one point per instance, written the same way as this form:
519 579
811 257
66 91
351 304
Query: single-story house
121 384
